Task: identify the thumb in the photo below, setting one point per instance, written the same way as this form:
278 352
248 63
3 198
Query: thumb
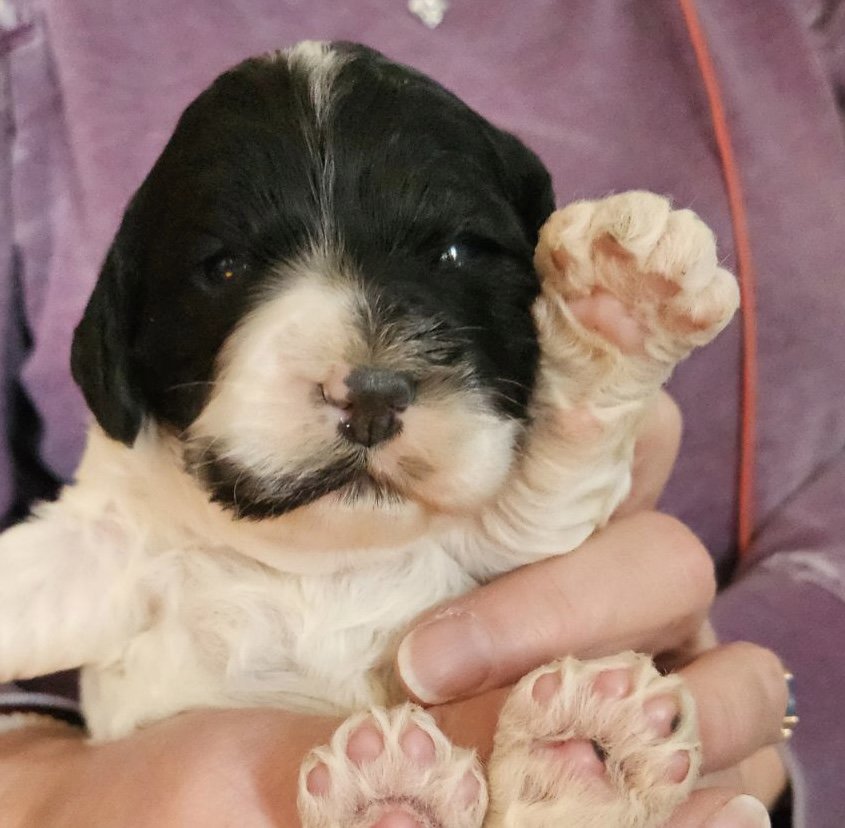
720 808
643 583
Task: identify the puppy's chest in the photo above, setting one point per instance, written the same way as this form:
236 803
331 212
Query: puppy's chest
316 643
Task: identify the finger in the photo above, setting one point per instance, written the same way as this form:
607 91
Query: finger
765 775
762 775
720 808
741 696
656 450
648 564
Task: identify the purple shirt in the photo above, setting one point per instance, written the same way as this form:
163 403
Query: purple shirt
610 96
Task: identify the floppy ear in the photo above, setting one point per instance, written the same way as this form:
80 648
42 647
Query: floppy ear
101 353
528 181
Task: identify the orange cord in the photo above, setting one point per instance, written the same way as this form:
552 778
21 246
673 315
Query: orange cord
747 449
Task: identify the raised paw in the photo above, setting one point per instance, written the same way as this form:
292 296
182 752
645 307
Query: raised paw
391 769
608 743
635 275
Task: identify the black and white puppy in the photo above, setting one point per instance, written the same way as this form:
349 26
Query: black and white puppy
339 376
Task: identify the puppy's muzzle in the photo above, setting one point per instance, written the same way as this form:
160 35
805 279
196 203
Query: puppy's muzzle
370 404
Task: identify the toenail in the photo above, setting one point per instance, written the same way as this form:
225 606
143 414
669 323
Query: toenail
662 714
417 745
545 687
365 744
678 767
614 684
319 780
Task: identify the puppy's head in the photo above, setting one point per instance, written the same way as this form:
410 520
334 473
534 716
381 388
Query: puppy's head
323 291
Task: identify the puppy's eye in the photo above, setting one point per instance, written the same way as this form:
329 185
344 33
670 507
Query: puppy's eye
460 253
224 267
451 255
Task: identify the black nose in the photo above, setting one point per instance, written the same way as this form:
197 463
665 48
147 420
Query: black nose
375 397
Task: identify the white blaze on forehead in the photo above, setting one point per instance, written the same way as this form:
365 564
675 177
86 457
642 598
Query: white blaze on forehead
321 63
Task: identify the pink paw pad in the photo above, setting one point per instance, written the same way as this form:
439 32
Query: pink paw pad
398 819
545 688
662 714
418 746
319 781
365 743
604 314
614 684
581 758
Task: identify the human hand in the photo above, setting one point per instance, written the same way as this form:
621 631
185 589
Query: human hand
209 768
656 570
241 767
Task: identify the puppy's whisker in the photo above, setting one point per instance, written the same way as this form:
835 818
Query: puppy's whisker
215 383
466 329
178 386
507 399
521 385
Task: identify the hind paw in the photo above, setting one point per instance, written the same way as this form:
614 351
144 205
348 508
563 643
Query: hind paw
391 769
609 742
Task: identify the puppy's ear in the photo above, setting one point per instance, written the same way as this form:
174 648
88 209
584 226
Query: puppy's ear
101 353
528 182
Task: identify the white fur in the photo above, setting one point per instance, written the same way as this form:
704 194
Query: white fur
321 63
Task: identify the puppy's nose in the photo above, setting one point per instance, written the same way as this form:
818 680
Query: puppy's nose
374 399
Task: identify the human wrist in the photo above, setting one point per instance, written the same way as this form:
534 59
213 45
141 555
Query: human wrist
37 764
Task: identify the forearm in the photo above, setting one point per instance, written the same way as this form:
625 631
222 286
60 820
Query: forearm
37 764
202 768
40 738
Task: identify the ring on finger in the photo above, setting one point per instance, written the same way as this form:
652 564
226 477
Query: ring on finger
790 719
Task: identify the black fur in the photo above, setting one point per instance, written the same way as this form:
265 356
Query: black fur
434 208
249 496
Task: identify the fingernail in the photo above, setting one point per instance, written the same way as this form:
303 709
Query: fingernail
446 658
742 812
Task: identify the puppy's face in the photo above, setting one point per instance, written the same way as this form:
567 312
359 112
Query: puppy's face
323 290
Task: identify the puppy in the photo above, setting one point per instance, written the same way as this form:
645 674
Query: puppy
340 374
